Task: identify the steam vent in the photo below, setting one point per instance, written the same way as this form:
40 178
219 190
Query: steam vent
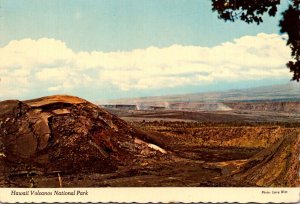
65 141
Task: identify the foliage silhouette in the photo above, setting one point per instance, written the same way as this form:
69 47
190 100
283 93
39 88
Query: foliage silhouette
251 11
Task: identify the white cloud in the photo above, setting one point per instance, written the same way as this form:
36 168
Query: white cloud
53 74
50 66
54 88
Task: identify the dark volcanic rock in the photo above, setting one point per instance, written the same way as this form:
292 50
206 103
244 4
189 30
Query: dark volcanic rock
275 166
67 134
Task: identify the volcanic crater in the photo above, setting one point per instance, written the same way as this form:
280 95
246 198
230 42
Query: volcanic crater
67 141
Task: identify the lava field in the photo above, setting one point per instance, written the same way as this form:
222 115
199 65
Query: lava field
66 141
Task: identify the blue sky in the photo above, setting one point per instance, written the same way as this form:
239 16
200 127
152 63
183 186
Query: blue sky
110 25
96 46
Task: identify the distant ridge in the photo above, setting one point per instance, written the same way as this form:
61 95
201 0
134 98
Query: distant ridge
283 92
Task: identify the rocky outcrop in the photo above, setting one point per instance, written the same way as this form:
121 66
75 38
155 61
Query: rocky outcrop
211 135
277 106
67 134
256 156
276 166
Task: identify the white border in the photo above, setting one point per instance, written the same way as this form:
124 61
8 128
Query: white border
156 194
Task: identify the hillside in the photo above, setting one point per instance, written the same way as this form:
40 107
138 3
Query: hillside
66 141
285 92
66 134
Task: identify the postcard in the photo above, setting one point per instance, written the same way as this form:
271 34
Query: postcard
149 101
